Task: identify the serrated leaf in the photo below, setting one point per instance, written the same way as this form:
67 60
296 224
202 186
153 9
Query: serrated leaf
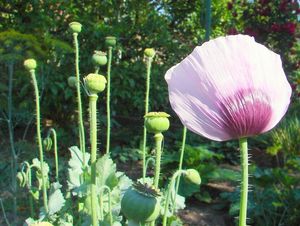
56 199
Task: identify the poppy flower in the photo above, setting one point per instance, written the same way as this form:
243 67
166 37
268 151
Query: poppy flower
229 88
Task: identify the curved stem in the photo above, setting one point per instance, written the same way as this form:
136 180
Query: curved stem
93 139
244 185
39 138
28 175
102 189
152 160
80 120
180 165
158 143
108 99
171 185
53 132
149 62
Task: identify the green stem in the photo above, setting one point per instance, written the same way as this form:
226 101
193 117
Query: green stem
244 185
80 120
93 138
180 165
149 62
53 132
28 179
103 188
108 99
158 143
171 186
39 137
152 160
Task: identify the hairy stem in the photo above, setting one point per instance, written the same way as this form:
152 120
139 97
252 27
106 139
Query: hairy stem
93 139
80 119
53 132
108 99
158 143
171 186
149 61
180 164
39 137
244 185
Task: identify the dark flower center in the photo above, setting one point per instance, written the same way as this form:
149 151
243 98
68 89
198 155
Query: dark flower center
246 113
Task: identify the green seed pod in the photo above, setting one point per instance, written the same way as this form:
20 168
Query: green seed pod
99 58
21 177
72 81
141 203
110 41
192 176
149 52
30 64
95 83
157 122
47 142
75 27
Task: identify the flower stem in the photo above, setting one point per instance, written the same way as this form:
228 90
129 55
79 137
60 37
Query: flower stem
158 143
180 164
103 188
108 99
171 185
244 185
39 137
93 139
53 132
80 120
149 61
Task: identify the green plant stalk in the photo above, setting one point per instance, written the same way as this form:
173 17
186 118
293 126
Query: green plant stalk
171 185
149 62
244 185
158 144
103 188
207 19
4 214
53 132
80 120
93 138
180 164
39 137
11 137
152 160
108 99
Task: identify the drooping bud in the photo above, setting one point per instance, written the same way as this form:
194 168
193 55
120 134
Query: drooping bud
157 122
30 64
110 41
47 142
75 27
99 58
72 81
95 83
21 177
192 176
149 52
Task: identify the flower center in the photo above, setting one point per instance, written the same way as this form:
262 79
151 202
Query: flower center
246 113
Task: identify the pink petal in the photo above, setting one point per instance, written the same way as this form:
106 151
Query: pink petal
228 88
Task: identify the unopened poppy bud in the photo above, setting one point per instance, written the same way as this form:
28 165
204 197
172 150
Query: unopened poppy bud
75 27
149 52
157 122
192 176
47 142
72 81
95 83
30 64
110 41
99 58
21 177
